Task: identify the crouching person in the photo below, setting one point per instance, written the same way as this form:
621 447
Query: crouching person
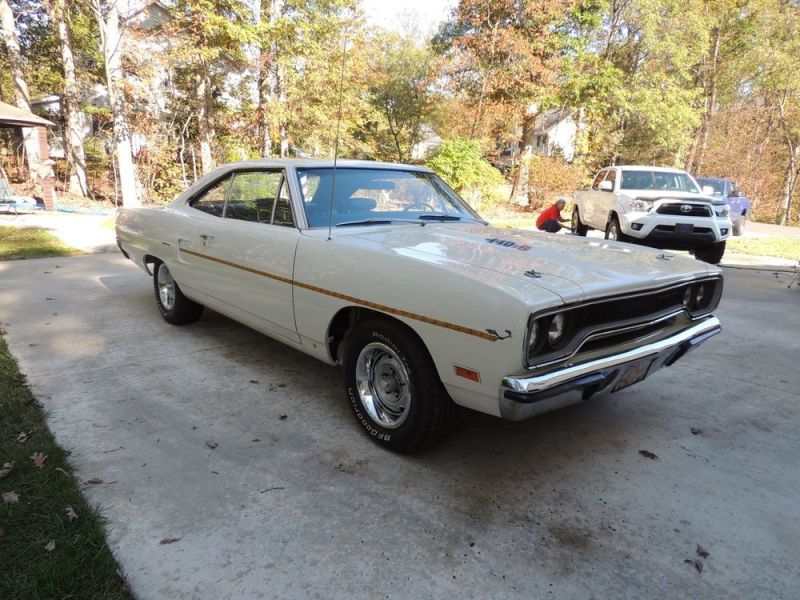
550 220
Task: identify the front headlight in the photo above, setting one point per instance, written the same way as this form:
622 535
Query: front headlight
722 210
555 332
640 205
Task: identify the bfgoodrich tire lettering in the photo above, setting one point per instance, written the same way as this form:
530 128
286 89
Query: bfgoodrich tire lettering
176 308
417 411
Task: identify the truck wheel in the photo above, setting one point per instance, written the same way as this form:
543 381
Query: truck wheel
614 231
738 226
710 254
172 304
393 388
577 227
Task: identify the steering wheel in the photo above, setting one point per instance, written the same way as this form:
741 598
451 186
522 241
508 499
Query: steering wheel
421 205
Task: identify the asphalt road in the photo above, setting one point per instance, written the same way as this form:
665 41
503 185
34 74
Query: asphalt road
294 501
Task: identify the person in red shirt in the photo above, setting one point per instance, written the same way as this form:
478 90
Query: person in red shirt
550 220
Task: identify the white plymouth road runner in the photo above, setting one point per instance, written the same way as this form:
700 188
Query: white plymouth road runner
383 269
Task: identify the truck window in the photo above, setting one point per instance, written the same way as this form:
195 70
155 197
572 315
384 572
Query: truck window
597 180
612 177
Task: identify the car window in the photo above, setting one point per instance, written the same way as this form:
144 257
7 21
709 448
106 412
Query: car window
212 201
670 181
597 180
377 195
283 208
251 196
612 177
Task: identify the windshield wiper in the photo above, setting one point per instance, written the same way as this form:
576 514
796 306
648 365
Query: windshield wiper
440 217
378 222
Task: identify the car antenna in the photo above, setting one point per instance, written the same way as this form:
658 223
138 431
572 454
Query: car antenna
336 145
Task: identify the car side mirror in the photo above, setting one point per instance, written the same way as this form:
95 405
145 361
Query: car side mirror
606 186
708 190
735 193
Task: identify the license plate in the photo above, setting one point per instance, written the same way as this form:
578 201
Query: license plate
633 374
684 228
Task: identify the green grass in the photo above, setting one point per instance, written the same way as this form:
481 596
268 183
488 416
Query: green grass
778 247
17 243
80 565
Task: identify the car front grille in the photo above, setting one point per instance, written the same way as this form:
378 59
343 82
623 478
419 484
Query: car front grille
607 323
696 210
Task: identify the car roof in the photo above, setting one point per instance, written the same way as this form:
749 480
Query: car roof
650 168
312 163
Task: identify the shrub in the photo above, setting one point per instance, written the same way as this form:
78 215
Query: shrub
551 176
461 164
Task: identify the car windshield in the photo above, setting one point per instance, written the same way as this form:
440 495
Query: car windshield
669 181
719 186
378 196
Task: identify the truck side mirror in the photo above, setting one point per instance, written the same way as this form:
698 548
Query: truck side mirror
735 193
606 186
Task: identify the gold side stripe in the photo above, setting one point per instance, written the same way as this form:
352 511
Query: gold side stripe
381 307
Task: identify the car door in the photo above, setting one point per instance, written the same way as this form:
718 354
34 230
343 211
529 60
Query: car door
593 199
255 241
608 199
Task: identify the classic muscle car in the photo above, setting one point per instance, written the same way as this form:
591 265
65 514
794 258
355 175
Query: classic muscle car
384 270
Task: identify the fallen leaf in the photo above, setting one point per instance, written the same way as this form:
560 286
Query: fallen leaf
71 514
51 545
10 497
702 551
695 563
254 381
48 298
166 541
60 470
212 444
283 417
38 459
98 424
648 454
6 469
95 480
695 430
22 437
21 377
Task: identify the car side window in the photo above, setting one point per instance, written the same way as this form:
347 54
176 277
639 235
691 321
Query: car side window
252 196
597 180
612 177
212 201
283 207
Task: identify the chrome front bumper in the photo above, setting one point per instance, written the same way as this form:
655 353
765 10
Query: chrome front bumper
525 396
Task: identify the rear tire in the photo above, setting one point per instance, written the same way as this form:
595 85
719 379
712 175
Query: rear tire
393 388
738 226
176 308
711 254
614 231
578 228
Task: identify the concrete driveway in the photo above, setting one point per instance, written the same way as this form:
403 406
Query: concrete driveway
293 501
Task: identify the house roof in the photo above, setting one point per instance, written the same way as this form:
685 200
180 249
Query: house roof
11 115
551 117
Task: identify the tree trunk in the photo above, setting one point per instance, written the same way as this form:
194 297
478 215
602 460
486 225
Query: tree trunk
11 38
789 184
111 45
520 186
203 120
76 156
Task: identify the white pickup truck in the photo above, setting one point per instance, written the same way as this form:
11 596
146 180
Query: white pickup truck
654 206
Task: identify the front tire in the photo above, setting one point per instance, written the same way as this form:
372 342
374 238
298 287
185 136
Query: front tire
738 226
176 308
614 231
578 228
393 388
711 254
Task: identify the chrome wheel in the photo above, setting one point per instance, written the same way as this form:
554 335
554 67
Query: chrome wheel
574 224
383 385
166 287
613 234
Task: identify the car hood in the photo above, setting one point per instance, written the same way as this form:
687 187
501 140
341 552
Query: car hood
666 194
573 267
